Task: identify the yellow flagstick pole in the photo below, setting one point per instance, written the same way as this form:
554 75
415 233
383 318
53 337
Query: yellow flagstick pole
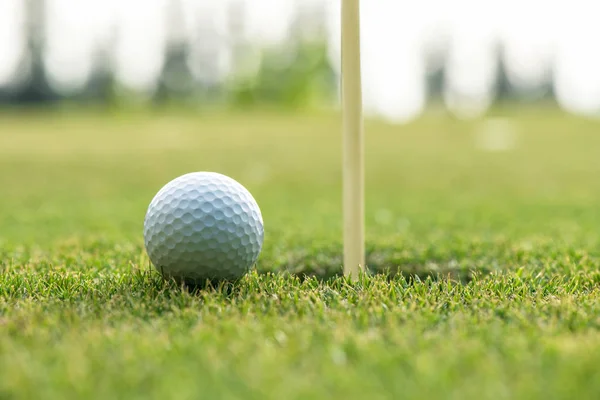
353 148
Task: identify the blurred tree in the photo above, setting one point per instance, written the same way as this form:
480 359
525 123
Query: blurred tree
237 29
101 87
504 90
436 72
176 80
295 75
35 87
507 92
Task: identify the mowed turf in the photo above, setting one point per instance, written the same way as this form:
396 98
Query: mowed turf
485 264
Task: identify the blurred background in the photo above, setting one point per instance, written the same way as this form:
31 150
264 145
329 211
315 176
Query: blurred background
463 56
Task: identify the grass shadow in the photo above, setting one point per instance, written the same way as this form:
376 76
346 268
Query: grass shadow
414 272
325 265
329 266
195 287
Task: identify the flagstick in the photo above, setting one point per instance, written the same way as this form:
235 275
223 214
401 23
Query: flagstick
353 152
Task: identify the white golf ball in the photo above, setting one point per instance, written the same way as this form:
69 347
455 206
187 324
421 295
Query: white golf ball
203 225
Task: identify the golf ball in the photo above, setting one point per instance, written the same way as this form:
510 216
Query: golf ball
203 225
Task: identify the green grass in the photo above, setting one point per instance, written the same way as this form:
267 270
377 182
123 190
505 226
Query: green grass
492 261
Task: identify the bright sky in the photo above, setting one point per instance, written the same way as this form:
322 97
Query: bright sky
11 38
538 36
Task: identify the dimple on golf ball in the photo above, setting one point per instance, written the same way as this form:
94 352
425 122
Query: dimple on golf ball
203 225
